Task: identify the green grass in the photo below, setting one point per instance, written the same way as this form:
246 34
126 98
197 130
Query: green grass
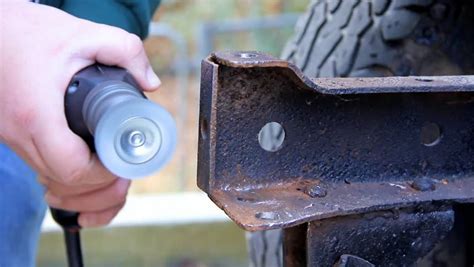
220 244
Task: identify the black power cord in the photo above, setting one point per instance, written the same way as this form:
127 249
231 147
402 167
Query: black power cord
72 237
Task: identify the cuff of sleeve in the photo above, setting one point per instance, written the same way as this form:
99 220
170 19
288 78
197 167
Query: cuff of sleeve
107 12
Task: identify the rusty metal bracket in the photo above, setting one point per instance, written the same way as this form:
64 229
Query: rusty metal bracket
351 145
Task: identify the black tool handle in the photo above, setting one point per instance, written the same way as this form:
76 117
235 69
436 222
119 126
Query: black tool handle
81 84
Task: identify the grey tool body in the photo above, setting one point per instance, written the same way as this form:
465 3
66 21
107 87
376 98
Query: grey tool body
132 136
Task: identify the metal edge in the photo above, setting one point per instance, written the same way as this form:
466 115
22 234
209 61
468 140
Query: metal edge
207 119
346 85
243 214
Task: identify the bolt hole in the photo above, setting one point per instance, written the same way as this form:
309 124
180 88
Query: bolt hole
271 137
430 134
423 79
266 215
204 129
246 199
298 189
247 55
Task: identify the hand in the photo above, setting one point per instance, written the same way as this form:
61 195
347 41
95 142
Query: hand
41 49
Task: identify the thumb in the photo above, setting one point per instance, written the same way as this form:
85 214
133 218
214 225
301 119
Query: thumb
113 46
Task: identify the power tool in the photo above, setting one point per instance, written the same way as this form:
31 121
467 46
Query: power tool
132 136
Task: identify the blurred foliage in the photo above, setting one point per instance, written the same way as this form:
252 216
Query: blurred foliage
185 16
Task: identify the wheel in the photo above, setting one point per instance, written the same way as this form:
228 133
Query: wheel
371 38
265 248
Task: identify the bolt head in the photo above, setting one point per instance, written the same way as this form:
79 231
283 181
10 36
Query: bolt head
315 191
423 184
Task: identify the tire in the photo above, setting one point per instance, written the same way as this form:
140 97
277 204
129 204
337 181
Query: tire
265 248
373 38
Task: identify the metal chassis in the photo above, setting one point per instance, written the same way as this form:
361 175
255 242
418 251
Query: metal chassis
381 161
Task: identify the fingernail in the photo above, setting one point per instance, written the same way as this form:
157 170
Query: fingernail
153 80
52 199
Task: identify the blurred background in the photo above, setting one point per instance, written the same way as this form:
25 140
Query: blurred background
167 221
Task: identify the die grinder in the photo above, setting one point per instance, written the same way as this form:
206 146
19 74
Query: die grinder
132 136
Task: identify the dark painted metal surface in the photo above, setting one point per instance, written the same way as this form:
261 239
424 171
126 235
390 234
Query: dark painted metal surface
457 248
352 261
294 246
382 238
351 145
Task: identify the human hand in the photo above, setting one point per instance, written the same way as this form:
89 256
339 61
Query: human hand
41 49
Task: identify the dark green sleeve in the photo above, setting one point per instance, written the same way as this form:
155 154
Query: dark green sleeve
130 15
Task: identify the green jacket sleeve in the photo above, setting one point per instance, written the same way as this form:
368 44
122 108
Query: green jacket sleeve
130 15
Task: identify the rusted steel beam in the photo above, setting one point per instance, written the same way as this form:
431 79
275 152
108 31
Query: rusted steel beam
346 145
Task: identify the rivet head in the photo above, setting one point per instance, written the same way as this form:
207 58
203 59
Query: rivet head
315 191
423 184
